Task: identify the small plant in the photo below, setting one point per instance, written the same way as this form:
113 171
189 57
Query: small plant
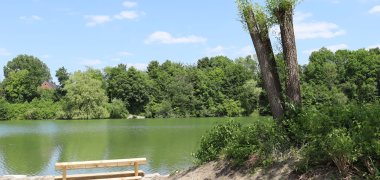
216 140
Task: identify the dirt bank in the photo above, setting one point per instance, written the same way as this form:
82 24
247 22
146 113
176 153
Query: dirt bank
222 170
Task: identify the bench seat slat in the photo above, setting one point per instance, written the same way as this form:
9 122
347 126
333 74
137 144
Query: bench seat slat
115 175
124 178
99 164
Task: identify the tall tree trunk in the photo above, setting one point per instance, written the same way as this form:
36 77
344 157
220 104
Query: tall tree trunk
260 38
285 18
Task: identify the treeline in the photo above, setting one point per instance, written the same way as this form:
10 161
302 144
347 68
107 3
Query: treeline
336 128
214 87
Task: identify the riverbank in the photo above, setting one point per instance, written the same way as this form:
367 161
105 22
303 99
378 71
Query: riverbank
279 170
24 177
223 170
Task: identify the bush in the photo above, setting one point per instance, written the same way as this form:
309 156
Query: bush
16 111
239 143
4 105
345 135
215 140
159 110
117 109
258 142
42 109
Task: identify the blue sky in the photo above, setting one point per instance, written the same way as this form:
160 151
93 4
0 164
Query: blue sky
100 33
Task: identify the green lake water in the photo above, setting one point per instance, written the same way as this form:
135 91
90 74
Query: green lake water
33 147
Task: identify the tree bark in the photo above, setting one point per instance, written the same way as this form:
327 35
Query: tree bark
293 90
260 38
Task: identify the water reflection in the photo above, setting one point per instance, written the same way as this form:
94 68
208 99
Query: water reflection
33 147
26 153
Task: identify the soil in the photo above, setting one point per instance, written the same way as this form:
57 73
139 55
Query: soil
223 170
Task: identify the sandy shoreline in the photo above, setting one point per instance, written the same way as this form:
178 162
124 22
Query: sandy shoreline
24 177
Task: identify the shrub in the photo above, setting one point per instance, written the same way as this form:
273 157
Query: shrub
159 110
345 135
4 105
16 111
239 143
117 109
42 109
215 140
259 141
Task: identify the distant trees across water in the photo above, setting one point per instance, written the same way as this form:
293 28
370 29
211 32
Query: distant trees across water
213 87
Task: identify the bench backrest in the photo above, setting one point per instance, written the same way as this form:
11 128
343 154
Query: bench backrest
99 164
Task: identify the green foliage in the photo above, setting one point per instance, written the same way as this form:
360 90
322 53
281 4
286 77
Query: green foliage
16 86
232 108
47 94
346 135
85 98
356 74
215 140
4 105
42 109
118 110
37 109
131 86
257 141
159 110
23 75
62 76
249 96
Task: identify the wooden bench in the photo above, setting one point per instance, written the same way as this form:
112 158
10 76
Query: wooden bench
136 174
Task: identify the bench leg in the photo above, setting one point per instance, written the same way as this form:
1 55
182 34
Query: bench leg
64 174
136 165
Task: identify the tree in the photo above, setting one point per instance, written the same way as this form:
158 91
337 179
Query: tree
38 72
116 79
131 86
117 109
85 98
256 22
137 90
16 86
249 96
62 76
283 10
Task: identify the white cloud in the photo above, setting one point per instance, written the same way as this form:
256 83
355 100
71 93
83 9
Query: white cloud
375 9
332 48
46 56
139 66
336 47
373 46
246 50
30 18
129 4
93 20
161 37
125 53
91 62
301 16
4 52
230 51
127 15
218 50
313 30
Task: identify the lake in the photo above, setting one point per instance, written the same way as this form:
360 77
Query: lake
33 147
